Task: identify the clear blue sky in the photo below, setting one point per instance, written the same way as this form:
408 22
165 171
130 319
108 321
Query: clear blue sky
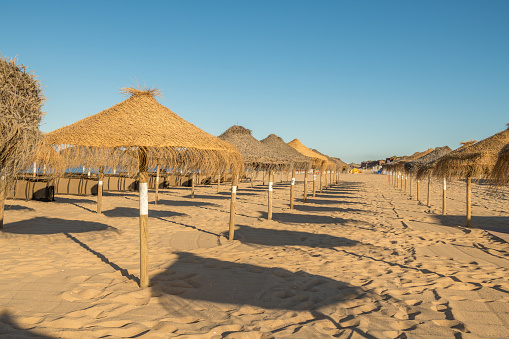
360 80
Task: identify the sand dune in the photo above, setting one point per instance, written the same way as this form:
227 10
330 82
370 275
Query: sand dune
360 260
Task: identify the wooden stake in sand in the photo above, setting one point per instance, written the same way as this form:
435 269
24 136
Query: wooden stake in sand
100 189
252 178
314 183
418 189
157 185
143 182
193 178
410 183
331 175
469 201
263 177
218 182
444 196
292 188
271 178
321 181
429 184
406 177
305 185
2 201
235 183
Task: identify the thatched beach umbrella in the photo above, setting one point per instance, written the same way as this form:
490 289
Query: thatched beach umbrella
256 155
413 167
319 161
296 160
21 101
476 161
150 134
500 173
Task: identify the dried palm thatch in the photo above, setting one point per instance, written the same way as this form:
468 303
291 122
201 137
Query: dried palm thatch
111 138
500 173
477 160
319 161
21 101
343 166
255 154
296 159
428 168
331 163
400 163
414 165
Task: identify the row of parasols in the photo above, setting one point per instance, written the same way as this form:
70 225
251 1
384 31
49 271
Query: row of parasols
487 159
139 133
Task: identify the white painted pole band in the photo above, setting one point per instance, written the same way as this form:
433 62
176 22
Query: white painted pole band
270 186
234 189
314 176
100 182
143 198
88 173
35 167
293 181
445 184
157 179
114 171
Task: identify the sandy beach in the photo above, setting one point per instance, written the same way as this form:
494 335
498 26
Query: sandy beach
361 260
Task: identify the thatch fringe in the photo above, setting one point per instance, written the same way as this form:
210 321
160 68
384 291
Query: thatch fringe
295 159
475 161
21 100
500 173
319 161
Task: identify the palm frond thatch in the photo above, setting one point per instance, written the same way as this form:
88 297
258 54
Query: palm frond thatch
500 172
477 160
319 161
415 165
21 100
296 159
112 138
254 153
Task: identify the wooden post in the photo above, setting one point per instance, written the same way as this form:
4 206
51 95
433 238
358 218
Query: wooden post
444 196
406 179
35 169
401 180
292 188
325 175
314 183
469 201
271 178
235 182
100 189
218 181
418 189
157 185
321 179
306 185
429 184
143 181
193 176
3 190
252 178
263 177
331 174
410 183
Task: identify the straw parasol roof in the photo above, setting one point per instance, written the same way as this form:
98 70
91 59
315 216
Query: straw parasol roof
141 122
21 102
400 163
500 172
319 161
428 168
254 153
414 165
331 164
343 166
477 160
296 159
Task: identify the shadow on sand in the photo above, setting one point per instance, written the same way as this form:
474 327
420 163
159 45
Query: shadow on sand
192 285
10 329
272 237
43 225
129 212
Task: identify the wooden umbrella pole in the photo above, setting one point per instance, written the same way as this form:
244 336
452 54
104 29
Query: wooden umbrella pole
157 185
331 175
321 181
410 183
469 201
235 182
252 178
401 180
143 180
444 196
3 190
218 182
292 188
193 178
35 169
100 189
271 178
406 179
263 177
305 185
418 189
429 184
314 183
